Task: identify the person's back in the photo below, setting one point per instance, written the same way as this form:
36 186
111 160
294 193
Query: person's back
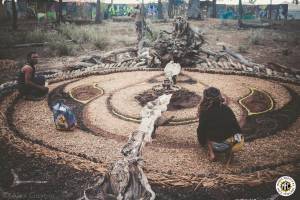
217 121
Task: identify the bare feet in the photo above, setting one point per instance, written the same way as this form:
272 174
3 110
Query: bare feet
211 157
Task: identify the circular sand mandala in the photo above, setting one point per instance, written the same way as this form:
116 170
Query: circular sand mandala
108 109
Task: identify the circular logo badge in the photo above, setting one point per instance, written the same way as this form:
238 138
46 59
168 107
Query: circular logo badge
285 186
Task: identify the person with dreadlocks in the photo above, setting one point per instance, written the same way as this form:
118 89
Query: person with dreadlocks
30 85
217 121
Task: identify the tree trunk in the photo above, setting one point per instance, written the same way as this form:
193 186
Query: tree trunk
98 12
194 10
15 15
214 11
171 9
60 12
159 10
270 10
240 14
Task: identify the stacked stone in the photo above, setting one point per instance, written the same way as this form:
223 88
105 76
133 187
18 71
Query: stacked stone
209 66
7 87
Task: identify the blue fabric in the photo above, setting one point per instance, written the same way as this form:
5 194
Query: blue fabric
64 118
220 147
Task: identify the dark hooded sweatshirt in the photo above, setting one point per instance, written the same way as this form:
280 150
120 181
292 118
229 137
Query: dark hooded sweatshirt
217 124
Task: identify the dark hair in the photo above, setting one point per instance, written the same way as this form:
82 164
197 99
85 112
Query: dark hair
211 97
29 55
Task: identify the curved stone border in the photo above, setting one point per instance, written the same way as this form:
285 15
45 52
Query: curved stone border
287 79
269 123
251 93
94 97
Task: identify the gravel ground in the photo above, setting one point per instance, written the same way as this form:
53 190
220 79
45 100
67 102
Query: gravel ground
186 159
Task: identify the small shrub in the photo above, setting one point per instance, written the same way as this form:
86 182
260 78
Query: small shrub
277 37
256 37
243 48
152 37
101 42
81 34
36 36
62 49
59 46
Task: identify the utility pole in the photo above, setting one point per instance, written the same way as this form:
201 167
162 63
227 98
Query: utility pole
15 15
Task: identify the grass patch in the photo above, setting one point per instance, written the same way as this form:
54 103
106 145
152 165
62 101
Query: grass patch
101 42
93 34
105 36
278 37
37 36
62 48
100 36
59 46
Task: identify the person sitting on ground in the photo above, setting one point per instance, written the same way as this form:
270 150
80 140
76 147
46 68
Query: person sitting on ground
30 85
217 121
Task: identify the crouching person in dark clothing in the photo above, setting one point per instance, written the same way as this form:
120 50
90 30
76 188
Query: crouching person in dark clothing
217 121
30 85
